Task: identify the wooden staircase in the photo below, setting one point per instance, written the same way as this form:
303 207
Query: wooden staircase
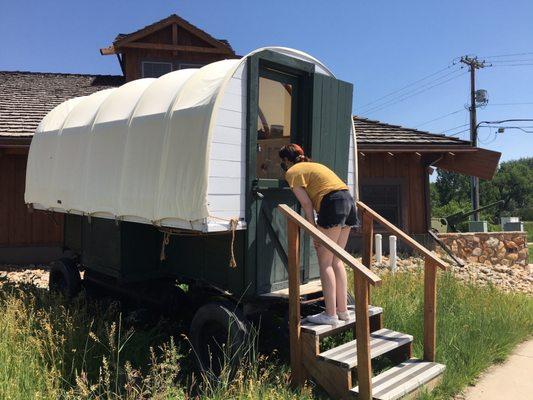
345 371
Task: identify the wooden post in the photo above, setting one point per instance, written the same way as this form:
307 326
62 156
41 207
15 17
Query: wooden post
430 309
368 233
175 37
297 373
362 330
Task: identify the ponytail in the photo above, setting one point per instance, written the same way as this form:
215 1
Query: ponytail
293 153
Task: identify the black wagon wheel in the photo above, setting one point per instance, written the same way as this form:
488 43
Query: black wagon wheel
219 335
64 277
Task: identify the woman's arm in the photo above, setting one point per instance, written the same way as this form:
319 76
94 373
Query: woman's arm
306 203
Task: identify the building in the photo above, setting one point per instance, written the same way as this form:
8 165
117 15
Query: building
394 162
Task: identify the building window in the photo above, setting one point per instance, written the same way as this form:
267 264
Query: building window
154 69
189 65
384 198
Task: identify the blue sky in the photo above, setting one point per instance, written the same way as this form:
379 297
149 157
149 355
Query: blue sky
380 46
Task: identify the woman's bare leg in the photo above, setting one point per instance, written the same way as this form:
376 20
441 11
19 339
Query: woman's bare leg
327 274
339 270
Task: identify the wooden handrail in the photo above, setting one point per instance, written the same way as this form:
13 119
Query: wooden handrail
397 231
363 277
338 251
431 263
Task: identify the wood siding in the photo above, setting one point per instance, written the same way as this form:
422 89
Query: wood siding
19 227
227 169
410 170
134 57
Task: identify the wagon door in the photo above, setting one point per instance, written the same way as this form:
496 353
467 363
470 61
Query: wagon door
278 122
287 102
331 114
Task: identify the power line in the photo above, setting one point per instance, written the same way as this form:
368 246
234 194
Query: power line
441 117
455 127
406 86
509 61
510 65
509 104
415 89
399 100
457 133
508 55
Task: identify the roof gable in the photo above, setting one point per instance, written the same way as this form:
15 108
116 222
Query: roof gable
169 27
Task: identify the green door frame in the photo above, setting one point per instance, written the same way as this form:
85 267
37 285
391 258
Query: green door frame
304 71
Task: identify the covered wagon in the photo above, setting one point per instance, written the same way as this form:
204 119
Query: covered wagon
178 178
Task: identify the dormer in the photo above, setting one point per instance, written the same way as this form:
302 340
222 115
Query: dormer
167 45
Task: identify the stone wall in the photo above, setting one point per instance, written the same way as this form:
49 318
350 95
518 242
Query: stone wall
491 248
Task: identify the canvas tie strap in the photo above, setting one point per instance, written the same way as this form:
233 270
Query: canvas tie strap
233 226
164 243
168 232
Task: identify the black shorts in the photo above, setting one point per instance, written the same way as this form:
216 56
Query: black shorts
337 208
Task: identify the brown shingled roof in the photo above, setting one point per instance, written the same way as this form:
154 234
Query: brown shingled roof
26 97
373 134
173 18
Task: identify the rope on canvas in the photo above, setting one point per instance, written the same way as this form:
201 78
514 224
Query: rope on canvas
164 243
168 232
233 226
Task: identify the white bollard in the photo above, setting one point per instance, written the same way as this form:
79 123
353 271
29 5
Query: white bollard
392 255
379 251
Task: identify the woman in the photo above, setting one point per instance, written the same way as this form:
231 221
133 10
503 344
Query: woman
317 188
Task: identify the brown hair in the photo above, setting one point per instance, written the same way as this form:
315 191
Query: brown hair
293 153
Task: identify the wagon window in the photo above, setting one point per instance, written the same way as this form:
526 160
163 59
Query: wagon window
273 125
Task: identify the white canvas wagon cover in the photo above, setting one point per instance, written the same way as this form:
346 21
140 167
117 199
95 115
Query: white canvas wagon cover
144 151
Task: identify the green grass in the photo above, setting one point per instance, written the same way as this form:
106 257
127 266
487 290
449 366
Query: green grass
87 350
530 253
528 226
476 326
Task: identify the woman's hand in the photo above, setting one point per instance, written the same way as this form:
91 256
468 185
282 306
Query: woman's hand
307 206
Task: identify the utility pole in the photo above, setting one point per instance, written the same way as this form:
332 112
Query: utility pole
473 64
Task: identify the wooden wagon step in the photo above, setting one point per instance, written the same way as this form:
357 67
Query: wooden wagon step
381 342
404 379
326 330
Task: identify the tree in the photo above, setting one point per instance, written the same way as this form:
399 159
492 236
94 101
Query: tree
512 183
452 186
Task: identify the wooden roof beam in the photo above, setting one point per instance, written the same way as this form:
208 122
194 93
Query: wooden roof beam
107 51
174 47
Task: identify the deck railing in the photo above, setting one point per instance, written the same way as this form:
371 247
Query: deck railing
363 278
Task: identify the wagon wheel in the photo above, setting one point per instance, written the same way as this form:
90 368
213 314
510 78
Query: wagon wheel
64 277
219 334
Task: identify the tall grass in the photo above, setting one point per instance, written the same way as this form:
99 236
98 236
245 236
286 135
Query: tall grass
476 326
88 350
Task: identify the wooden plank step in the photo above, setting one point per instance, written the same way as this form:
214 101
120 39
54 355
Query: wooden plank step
381 342
310 287
325 330
404 379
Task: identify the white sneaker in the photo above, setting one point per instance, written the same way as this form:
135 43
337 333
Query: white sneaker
323 319
346 315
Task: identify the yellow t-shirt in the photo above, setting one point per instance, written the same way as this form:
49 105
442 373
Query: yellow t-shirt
317 180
